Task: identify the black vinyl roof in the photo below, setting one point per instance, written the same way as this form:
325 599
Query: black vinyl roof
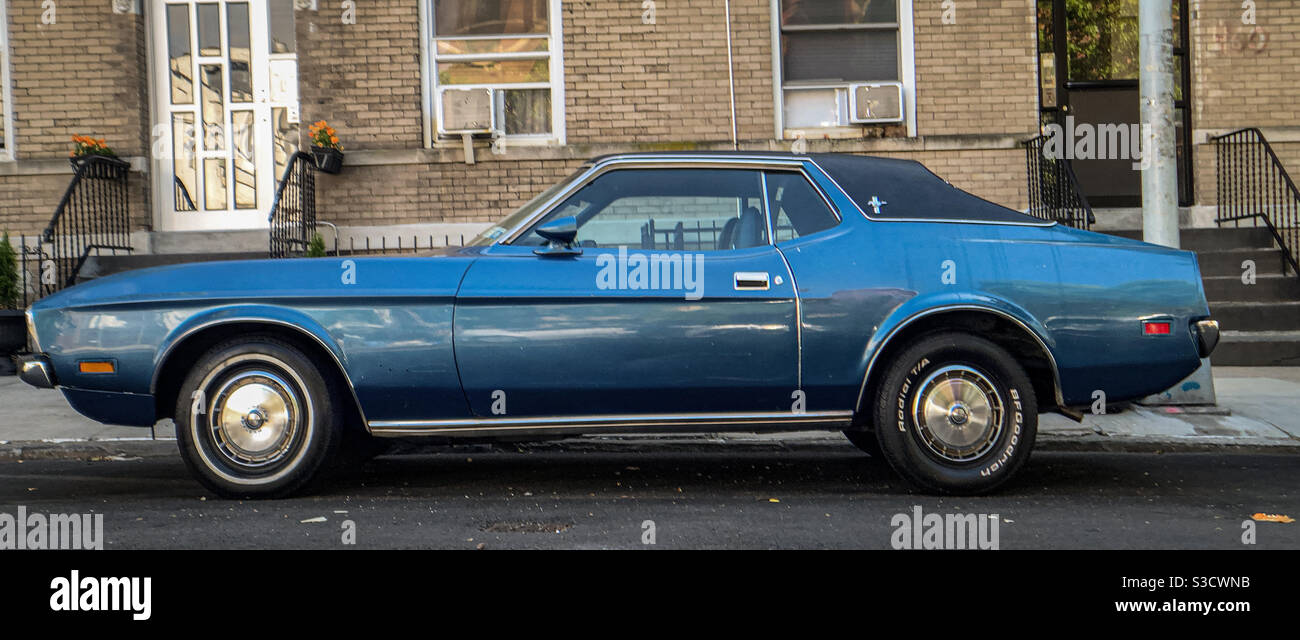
906 187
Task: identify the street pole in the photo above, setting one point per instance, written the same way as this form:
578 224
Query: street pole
1159 158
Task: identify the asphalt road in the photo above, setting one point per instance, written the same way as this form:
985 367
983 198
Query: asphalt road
706 498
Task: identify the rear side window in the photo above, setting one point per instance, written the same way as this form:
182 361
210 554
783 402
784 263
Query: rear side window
797 208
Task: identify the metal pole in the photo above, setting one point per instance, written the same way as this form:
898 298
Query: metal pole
731 76
1159 160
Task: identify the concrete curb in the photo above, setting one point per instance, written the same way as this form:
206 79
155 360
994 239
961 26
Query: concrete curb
129 449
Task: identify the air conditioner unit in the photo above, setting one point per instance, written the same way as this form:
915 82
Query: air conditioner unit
466 111
876 102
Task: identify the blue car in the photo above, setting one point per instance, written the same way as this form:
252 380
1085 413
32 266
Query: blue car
668 291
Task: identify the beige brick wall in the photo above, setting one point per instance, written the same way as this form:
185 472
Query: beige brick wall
363 78
1244 75
422 193
626 81
83 74
978 74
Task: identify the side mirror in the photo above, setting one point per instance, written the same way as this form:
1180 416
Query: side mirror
560 234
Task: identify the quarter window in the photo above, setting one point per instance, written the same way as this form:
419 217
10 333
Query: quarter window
496 68
666 209
797 208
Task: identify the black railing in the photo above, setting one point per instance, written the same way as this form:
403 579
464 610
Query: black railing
1054 192
293 212
94 216
1252 185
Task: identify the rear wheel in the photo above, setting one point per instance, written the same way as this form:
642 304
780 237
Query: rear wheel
956 413
256 417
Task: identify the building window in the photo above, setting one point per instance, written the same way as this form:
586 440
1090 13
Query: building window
843 63
496 69
6 91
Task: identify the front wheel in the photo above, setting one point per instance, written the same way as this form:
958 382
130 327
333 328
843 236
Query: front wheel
956 414
256 417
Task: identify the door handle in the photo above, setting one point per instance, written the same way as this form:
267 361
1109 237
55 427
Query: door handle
750 281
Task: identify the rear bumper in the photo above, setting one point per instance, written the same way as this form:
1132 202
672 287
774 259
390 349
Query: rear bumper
1207 336
36 370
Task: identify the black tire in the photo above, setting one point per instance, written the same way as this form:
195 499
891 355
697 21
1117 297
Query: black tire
866 441
955 414
249 384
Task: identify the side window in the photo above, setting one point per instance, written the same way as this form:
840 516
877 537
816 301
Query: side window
797 207
666 209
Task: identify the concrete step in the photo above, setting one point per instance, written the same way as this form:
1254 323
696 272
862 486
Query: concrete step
98 266
1227 262
1267 288
1257 349
1213 238
1257 316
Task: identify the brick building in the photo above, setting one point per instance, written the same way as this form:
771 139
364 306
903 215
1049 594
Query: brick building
237 82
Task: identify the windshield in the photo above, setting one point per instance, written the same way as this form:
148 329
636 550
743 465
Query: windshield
494 232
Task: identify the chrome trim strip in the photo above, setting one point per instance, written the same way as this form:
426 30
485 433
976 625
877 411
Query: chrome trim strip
1056 374
31 329
1045 223
162 358
477 426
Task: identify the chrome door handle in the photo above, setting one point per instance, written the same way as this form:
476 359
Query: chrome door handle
750 281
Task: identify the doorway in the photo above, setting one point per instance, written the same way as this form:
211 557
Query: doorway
226 109
1088 73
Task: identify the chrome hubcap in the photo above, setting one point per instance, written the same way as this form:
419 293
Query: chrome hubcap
957 413
255 416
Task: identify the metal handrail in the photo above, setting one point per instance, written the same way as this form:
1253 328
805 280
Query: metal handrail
1252 184
94 215
293 211
1054 192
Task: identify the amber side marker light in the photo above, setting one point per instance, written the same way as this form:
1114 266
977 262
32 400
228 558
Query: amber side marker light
1161 328
95 366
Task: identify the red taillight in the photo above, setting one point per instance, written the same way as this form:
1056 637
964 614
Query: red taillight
1156 328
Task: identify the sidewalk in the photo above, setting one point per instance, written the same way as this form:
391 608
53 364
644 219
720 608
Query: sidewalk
1259 410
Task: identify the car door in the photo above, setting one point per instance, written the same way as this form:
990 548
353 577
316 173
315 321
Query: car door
672 301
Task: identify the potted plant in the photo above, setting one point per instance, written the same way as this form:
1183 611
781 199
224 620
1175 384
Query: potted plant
86 149
13 326
325 147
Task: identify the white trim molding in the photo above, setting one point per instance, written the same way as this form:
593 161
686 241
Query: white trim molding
6 86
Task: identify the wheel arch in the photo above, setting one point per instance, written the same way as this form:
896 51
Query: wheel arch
1003 328
189 341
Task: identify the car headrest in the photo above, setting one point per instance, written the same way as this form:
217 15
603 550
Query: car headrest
749 231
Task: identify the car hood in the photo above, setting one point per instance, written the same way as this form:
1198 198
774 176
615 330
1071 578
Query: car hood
241 280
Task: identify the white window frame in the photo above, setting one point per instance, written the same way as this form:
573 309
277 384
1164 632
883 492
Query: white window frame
431 92
6 85
906 76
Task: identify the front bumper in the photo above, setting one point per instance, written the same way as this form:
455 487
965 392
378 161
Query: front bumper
36 370
1207 336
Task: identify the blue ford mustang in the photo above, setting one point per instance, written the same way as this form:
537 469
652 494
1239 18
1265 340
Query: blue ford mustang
684 291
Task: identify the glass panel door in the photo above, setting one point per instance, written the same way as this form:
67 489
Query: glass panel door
215 100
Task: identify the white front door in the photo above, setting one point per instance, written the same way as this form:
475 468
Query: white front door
226 108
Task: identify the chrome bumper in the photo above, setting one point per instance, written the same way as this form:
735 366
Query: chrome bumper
36 371
1207 336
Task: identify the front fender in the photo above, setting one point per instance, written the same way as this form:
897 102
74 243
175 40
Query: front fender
250 313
